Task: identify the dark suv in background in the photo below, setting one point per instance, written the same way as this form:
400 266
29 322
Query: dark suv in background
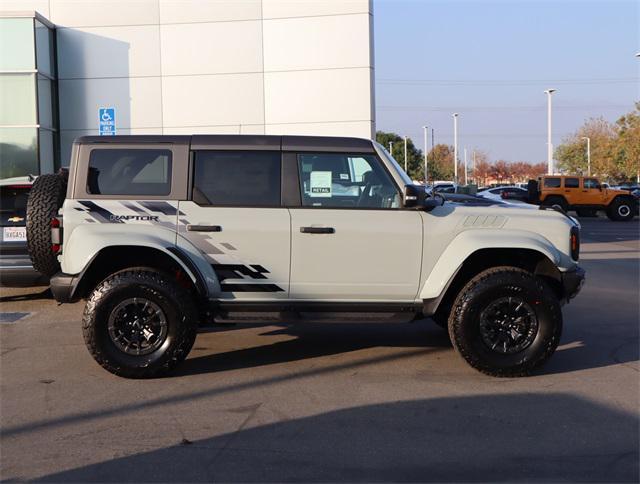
16 268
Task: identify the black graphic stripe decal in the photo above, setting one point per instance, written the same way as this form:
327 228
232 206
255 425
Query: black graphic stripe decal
236 271
162 207
134 207
250 288
99 212
239 272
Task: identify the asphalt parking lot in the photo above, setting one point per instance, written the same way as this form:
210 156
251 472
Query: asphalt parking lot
331 402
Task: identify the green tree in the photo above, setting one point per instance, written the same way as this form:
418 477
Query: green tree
415 160
572 153
626 148
440 162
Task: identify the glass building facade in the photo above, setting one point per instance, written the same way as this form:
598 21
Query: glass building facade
29 142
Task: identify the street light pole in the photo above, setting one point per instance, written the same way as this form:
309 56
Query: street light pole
455 147
391 148
638 172
588 154
474 168
549 145
465 166
426 153
433 139
405 155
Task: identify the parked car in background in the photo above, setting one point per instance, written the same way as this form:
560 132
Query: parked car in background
628 187
513 193
585 195
16 268
444 187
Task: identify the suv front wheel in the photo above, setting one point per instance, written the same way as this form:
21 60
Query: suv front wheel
620 210
139 323
505 322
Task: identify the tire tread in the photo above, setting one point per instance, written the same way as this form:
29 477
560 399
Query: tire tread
45 199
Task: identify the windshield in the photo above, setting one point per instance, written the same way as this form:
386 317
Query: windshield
405 178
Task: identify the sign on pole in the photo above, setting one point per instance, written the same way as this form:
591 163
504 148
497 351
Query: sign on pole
107 121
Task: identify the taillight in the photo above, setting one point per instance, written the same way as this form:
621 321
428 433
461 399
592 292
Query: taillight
574 238
56 235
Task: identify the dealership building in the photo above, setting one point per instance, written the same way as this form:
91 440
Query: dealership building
70 68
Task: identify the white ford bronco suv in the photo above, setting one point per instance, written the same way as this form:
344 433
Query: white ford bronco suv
162 233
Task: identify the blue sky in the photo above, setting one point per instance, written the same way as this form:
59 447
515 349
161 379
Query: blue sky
584 49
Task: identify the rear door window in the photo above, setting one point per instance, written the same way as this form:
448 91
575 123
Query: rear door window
571 182
552 182
13 205
137 172
237 178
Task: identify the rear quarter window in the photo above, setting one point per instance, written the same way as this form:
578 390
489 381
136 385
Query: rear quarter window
137 172
552 182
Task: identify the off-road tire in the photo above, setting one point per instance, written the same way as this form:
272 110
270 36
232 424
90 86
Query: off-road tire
621 209
586 212
556 200
174 300
478 294
45 199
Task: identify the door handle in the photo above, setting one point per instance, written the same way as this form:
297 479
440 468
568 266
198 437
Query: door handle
203 228
317 230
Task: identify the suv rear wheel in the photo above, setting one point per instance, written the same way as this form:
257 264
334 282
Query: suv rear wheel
138 323
620 210
505 322
556 200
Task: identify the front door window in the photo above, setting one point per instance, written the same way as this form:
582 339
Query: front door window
331 180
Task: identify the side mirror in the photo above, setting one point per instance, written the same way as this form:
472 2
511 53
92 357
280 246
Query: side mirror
414 196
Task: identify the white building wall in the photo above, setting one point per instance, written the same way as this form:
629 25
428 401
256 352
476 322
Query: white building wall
213 66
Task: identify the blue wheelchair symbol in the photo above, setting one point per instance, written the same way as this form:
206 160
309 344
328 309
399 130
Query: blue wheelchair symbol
107 121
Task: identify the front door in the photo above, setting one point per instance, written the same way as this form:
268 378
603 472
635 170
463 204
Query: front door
236 219
592 193
351 240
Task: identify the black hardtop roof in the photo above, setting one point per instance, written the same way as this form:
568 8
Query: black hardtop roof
242 142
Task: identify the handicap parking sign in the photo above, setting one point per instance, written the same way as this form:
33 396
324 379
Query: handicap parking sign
107 121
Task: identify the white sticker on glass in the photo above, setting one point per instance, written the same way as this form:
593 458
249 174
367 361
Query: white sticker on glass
320 184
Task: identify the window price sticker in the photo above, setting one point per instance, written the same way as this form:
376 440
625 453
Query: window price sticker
320 184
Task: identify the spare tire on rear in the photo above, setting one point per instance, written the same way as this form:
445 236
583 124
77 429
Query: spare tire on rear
45 199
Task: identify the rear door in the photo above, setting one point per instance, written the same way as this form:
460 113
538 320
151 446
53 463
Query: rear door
234 216
350 238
